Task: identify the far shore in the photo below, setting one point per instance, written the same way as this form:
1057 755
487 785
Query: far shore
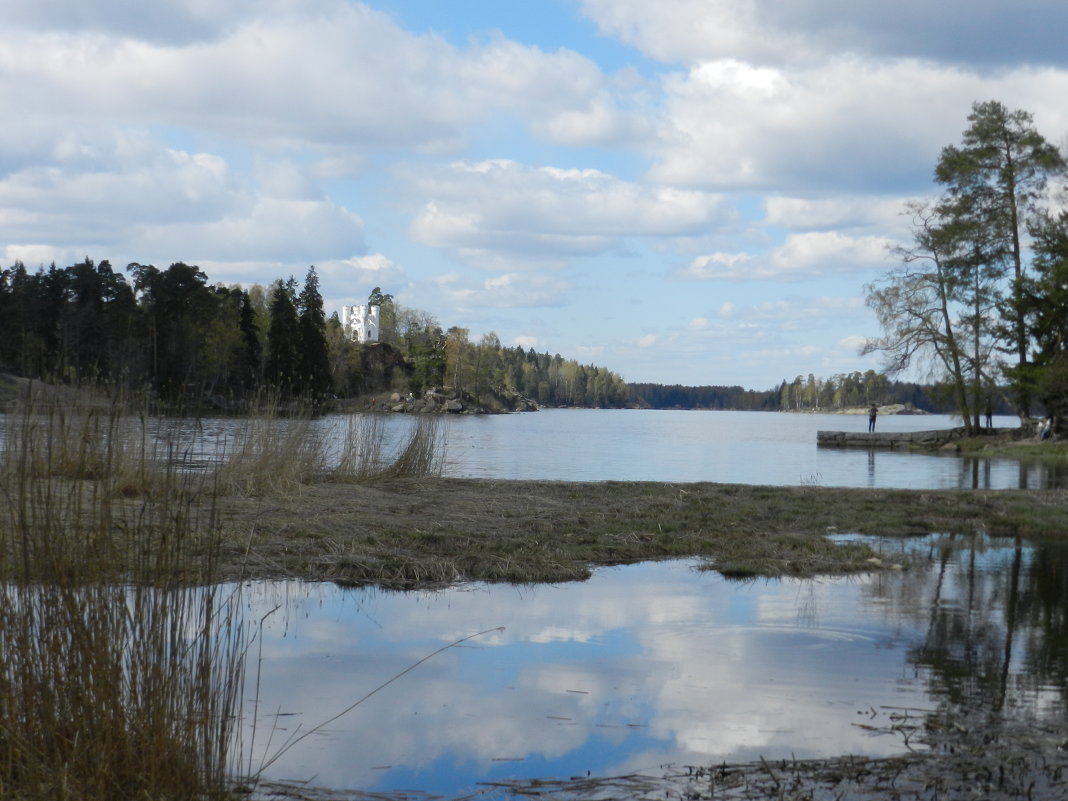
888 409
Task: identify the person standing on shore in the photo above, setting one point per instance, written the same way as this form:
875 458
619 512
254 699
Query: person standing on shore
873 412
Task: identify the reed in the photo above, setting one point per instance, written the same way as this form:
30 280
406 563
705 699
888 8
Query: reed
121 652
270 454
422 455
118 679
364 455
281 455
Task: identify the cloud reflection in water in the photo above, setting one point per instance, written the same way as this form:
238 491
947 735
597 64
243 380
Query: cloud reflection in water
639 666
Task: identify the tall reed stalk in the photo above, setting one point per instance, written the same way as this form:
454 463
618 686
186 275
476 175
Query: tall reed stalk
269 454
364 455
118 679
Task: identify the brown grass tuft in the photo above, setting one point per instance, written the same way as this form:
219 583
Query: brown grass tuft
118 679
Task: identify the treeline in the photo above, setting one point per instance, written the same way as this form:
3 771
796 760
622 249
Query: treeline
190 342
676 396
841 391
167 330
486 370
849 390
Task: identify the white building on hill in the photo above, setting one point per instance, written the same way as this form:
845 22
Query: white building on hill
360 322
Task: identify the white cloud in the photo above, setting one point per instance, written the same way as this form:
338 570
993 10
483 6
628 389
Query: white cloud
511 290
716 266
327 74
836 126
371 270
852 344
820 253
508 207
165 21
801 255
298 231
985 33
838 212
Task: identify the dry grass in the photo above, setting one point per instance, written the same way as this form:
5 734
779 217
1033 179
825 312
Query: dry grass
408 532
121 653
117 678
270 455
364 456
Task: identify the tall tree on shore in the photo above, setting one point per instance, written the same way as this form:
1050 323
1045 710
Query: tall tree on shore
281 369
252 351
315 379
387 315
1045 309
918 307
994 187
177 304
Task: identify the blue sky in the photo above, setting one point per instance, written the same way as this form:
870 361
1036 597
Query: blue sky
688 191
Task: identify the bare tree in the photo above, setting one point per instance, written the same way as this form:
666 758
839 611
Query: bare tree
922 309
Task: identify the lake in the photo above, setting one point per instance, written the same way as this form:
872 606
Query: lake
649 665
769 448
731 447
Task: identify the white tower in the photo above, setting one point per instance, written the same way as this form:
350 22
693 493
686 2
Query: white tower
360 322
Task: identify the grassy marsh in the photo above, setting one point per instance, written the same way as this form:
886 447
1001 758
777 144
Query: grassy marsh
406 532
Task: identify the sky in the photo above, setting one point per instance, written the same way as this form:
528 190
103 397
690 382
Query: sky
686 191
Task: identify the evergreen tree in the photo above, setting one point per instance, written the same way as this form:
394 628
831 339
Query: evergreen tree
99 321
252 351
994 183
178 306
387 316
314 375
282 369
1045 308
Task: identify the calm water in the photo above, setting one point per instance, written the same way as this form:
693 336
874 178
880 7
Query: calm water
629 445
650 664
733 447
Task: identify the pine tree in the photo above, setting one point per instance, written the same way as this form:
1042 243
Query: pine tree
994 183
281 369
314 375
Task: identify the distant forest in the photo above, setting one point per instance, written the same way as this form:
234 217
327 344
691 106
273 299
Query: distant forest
191 343
838 392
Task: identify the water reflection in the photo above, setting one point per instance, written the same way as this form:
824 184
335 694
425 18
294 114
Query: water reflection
995 635
650 664
987 473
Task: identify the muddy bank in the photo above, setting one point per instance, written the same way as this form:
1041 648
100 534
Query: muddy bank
961 761
948 758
